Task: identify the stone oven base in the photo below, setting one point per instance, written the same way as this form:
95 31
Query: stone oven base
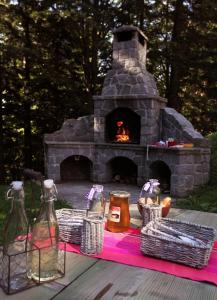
180 169
189 167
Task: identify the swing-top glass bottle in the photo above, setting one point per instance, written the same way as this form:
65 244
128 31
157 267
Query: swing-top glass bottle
15 239
45 236
97 200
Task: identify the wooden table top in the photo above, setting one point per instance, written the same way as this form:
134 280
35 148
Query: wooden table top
95 279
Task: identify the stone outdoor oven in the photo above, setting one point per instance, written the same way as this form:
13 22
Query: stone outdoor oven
113 144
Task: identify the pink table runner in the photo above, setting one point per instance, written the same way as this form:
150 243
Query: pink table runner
125 248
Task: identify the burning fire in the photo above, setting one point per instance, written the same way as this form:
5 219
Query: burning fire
122 133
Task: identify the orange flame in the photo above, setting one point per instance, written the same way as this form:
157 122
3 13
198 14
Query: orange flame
122 133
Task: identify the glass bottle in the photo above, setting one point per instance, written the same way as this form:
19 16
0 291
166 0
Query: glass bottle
119 214
150 194
97 200
45 236
15 240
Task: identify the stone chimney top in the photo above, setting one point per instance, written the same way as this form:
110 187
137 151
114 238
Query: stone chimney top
129 28
128 76
129 47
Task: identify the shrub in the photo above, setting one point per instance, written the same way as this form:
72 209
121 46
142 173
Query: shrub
213 160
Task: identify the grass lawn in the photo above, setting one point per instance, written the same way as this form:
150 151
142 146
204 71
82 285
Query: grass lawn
202 199
32 203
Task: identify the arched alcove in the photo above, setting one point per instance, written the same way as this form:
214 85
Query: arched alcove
76 167
123 170
122 120
160 170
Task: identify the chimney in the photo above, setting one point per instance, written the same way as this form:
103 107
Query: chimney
129 47
128 76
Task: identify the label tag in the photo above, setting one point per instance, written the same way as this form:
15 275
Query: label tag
146 186
90 195
114 214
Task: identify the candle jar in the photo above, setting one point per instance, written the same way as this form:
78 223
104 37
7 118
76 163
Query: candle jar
119 214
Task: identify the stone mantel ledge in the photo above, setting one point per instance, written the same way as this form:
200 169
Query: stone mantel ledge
120 146
67 144
97 145
130 97
180 151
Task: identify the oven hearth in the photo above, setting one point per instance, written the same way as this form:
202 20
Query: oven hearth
122 126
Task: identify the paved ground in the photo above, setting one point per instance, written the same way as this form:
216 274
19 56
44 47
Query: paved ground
74 192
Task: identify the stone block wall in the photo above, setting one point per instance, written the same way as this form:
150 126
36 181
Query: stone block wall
106 152
189 167
80 129
147 108
138 82
57 152
175 125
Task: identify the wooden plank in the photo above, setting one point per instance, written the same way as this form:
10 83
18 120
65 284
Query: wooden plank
193 216
185 215
209 219
203 218
184 289
75 265
45 292
107 280
88 278
198 217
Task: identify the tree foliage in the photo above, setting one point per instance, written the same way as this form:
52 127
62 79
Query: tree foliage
54 55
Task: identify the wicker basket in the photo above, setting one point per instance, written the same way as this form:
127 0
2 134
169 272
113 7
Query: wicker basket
92 235
166 205
70 224
178 241
150 213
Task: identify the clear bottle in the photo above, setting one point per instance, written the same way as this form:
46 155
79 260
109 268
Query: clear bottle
119 214
45 236
97 200
15 239
150 194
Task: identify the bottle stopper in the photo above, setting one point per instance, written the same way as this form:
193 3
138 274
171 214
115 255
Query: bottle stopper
17 185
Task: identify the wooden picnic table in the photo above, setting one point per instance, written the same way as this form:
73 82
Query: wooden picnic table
96 279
